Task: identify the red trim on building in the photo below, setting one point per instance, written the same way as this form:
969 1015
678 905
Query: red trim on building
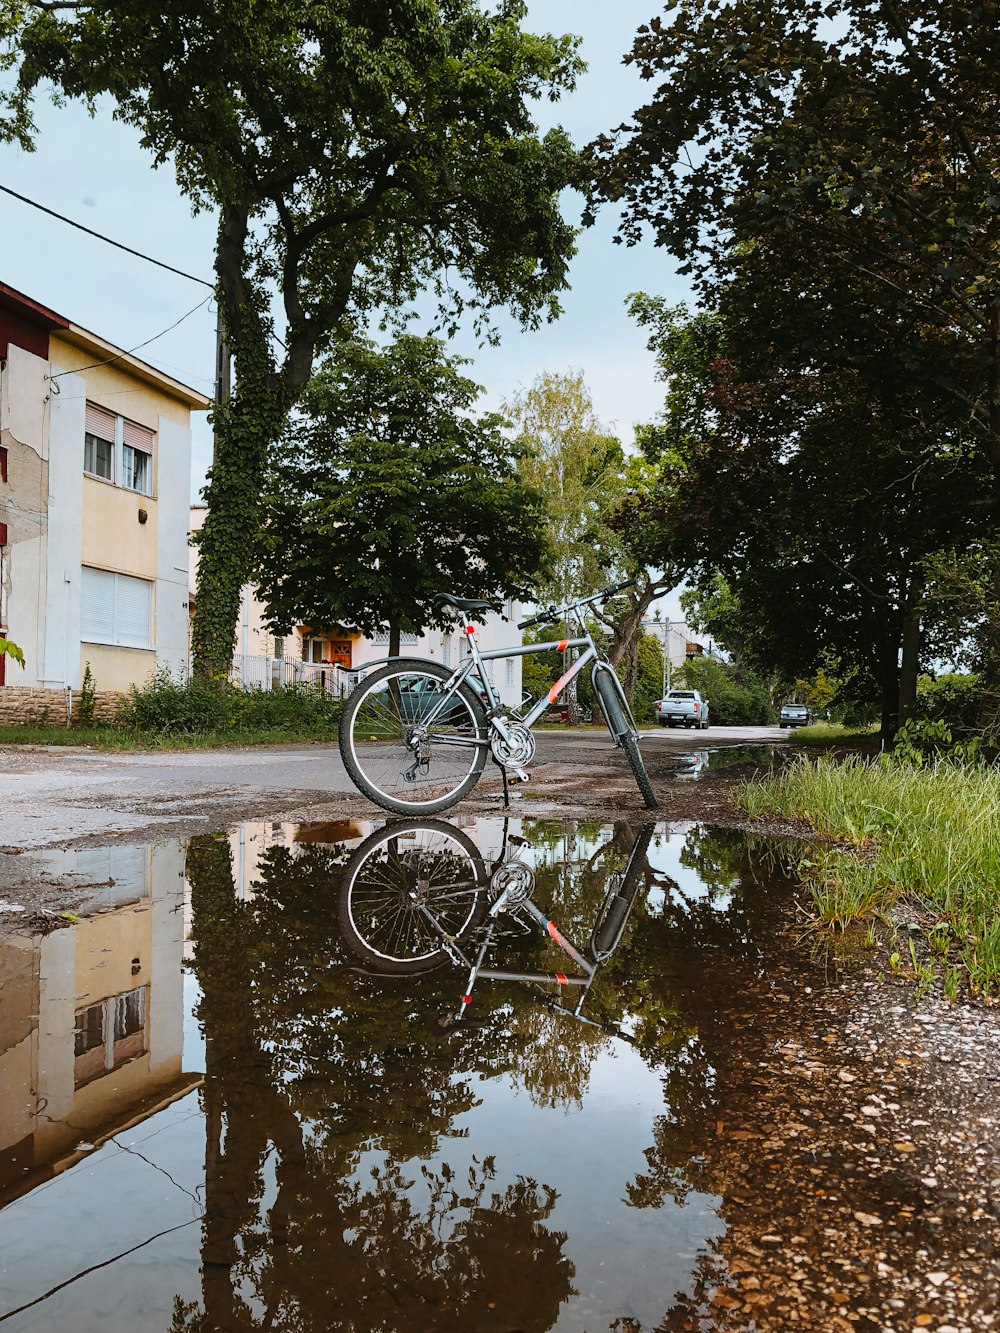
26 323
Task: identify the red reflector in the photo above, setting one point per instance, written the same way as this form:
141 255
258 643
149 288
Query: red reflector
563 643
466 999
470 629
561 978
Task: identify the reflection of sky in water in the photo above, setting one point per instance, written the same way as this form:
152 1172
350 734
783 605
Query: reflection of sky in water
628 1261
136 1200
665 855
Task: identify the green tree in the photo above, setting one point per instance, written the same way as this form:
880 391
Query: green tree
809 494
581 468
356 154
828 173
387 490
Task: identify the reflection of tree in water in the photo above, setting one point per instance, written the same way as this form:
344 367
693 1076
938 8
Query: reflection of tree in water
329 1082
683 959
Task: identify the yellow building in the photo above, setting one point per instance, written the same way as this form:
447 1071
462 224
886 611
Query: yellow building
92 1015
95 475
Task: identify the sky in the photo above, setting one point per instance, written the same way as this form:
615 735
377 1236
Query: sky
95 172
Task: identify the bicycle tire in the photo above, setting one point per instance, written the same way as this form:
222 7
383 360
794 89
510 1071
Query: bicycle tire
631 747
607 932
399 866
618 724
376 734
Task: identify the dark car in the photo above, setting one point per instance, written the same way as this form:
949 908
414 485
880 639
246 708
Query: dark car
794 715
420 694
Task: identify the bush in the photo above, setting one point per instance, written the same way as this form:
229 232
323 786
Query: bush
734 699
172 706
166 706
956 700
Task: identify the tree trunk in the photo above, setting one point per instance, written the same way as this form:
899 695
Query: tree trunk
394 637
912 637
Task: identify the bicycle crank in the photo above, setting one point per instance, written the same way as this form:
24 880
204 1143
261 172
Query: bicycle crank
514 750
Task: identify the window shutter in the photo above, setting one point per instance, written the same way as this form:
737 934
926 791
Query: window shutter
100 423
132 612
97 606
137 436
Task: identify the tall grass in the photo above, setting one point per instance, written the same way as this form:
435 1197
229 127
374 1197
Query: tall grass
916 845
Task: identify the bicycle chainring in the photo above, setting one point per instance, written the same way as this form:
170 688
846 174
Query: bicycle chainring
514 882
516 752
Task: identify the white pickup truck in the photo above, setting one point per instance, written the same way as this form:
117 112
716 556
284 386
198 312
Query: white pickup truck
685 708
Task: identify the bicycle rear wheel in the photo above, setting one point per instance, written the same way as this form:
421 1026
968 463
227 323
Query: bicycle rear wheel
406 888
631 747
407 747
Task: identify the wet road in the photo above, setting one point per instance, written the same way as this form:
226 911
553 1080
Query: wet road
65 794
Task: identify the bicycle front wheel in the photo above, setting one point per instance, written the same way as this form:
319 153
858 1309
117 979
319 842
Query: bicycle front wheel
631 747
408 887
407 745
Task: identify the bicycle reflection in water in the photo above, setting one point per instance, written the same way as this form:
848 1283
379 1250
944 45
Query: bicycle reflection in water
418 893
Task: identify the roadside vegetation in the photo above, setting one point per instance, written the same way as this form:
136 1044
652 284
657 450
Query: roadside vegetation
913 851
196 714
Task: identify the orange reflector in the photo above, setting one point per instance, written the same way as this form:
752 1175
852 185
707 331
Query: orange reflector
561 978
563 643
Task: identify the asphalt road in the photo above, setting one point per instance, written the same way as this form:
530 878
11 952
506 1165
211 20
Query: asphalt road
64 795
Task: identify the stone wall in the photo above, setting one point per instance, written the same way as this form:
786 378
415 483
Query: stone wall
21 703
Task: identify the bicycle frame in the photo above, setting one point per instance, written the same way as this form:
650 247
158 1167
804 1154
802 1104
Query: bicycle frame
474 663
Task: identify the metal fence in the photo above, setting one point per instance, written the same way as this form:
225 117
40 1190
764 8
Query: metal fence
271 673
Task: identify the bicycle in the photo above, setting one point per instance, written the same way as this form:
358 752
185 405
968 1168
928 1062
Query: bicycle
415 735
415 894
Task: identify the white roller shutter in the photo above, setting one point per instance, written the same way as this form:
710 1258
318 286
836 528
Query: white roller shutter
116 609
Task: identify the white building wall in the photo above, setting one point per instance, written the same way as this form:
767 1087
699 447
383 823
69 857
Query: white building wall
173 485
67 403
24 506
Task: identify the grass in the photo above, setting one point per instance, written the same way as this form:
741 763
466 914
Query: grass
916 848
823 734
120 738
197 715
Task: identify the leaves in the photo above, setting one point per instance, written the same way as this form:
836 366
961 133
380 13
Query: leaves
388 490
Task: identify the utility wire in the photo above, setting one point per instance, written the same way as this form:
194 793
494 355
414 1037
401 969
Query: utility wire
127 248
119 355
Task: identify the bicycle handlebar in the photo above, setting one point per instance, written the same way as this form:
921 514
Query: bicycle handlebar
552 613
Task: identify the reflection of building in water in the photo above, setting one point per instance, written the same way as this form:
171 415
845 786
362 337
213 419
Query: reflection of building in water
91 1015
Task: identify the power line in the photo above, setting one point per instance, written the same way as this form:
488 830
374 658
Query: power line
118 355
90 232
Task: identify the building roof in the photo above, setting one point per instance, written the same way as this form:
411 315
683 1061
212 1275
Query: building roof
42 318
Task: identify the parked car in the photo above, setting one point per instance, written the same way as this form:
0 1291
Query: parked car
685 708
419 695
794 715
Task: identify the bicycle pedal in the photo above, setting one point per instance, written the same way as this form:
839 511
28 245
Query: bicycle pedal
516 776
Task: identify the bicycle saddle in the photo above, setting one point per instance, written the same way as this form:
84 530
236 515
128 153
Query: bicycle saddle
462 603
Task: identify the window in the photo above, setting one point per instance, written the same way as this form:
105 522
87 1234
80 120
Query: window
108 1034
137 458
117 450
99 442
116 609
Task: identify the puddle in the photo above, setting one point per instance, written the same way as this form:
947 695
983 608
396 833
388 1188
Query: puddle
256 1090
697 763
